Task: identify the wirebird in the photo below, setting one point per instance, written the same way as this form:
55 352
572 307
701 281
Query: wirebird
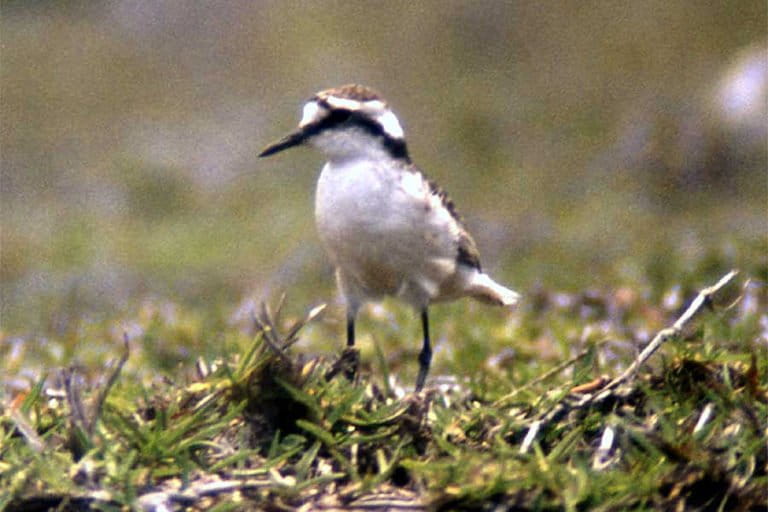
388 229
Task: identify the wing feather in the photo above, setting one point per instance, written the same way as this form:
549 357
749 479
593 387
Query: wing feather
467 253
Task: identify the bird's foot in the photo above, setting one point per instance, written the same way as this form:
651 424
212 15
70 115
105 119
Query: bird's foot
347 364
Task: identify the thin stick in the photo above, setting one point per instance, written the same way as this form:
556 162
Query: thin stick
102 396
704 298
549 373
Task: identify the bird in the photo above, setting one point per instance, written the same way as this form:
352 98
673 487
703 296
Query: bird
388 229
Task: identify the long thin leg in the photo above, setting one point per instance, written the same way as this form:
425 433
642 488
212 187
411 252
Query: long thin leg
349 361
350 328
425 356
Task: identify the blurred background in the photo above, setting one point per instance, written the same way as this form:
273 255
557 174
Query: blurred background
587 144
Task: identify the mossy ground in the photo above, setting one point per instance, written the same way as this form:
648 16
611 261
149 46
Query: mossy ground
262 422
609 159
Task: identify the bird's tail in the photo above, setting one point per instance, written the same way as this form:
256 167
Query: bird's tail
485 289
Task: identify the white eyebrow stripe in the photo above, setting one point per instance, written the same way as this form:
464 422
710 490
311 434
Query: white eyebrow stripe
375 109
390 124
343 103
311 113
348 104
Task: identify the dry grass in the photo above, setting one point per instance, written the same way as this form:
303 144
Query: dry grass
270 427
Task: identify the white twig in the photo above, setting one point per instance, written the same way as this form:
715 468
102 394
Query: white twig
706 414
161 501
606 442
34 441
602 457
530 437
703 298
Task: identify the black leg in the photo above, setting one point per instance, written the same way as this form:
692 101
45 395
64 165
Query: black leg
425 356
349 361
350 329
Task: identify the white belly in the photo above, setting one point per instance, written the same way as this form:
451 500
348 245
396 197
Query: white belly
384 231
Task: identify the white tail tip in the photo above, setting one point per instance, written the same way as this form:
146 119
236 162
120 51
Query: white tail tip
487 290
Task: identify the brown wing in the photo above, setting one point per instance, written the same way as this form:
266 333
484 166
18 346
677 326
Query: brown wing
467 253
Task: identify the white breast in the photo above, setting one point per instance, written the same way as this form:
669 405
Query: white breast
385 231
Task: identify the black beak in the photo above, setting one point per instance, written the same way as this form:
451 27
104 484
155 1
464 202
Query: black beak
289 141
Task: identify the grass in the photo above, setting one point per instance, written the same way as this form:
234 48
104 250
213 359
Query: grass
265 424
593 153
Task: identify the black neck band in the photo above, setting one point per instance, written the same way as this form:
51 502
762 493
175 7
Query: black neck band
338 117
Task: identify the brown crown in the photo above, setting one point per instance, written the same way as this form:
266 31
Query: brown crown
352 92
